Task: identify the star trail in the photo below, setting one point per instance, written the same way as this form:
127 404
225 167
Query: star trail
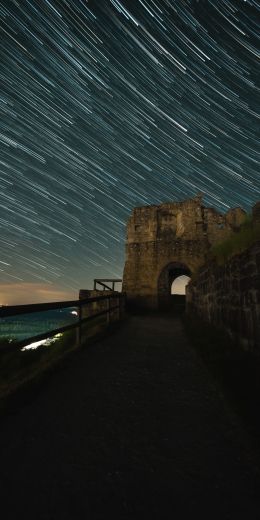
107 105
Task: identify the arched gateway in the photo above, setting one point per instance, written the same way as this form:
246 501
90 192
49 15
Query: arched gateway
165 280
168 240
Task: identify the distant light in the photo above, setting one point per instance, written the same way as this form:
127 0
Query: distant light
74 312
46 342
179 284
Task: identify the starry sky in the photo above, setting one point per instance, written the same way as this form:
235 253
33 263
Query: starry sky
107 105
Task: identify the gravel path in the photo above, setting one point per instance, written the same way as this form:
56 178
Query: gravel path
132 427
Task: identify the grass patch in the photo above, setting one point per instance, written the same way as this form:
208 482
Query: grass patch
236 371
22 370
18 367
237 242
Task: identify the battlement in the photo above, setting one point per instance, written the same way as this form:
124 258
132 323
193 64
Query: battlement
188 220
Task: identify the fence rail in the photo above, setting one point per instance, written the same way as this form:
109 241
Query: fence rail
18 310
102 282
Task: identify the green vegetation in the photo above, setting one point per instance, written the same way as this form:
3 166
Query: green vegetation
237 243
19 368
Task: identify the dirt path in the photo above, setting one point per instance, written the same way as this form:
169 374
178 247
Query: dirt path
133 427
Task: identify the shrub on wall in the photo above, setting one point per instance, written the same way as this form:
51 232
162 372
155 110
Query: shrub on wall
237 243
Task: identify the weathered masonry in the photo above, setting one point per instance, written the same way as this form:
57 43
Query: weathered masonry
228 295
166 241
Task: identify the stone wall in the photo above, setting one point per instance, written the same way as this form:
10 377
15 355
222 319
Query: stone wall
228 296
167 239
93 308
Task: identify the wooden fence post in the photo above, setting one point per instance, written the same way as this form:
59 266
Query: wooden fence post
79 326
108 310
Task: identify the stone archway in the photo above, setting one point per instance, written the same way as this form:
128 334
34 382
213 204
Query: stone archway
157 235
166 277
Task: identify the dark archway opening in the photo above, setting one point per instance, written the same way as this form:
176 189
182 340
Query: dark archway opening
171 286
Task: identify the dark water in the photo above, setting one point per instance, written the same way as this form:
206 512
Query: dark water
28 325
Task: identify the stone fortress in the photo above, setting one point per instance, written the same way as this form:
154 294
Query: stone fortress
169 240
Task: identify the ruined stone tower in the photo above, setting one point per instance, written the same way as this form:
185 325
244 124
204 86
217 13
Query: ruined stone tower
166 241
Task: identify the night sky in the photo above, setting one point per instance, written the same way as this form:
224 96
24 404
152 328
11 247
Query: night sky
107 105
